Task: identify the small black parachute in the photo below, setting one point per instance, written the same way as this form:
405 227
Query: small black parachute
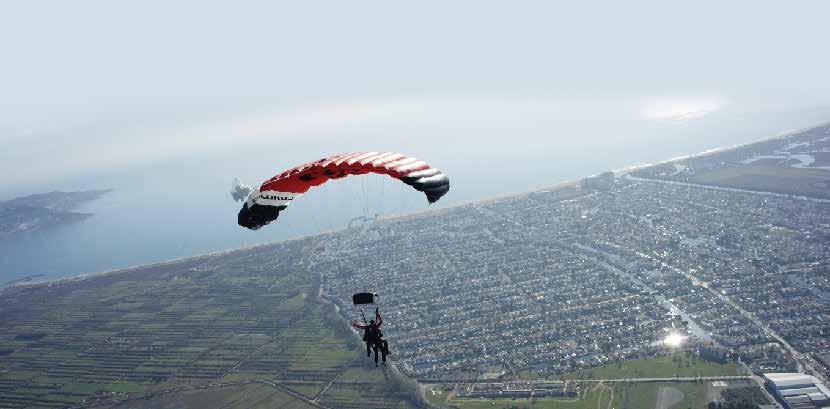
364 298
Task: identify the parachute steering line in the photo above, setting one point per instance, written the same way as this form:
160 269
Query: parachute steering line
361 299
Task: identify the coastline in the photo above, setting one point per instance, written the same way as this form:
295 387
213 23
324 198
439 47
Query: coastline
622 172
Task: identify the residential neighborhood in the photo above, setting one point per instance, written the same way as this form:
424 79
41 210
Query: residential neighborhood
577 277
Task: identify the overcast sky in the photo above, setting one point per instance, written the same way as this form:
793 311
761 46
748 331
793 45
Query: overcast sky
90 87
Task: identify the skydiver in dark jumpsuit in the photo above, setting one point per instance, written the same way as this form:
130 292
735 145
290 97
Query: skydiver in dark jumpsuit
374 337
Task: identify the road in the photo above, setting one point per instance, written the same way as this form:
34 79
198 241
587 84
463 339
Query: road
676 379
726 189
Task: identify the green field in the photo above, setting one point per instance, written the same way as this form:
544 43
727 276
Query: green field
645 395
596 396
680 364
777 179
139 337
245 396
603 396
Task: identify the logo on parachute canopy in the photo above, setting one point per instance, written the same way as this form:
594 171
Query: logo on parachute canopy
274 197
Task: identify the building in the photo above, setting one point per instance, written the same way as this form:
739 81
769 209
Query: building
603 181
824 359
798 390
519 390
712 353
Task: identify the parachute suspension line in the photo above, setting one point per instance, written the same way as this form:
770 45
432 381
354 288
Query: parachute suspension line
402 204
365 203
382 182
353 193
351 196
292 232
359 195
362 194
296 230
314 220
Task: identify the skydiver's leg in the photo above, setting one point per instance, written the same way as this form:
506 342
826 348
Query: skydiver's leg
375 347
384 348
368 348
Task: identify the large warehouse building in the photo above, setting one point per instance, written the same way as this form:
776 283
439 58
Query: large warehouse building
798 390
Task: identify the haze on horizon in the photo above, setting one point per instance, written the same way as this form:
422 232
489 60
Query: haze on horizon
169 102
99 87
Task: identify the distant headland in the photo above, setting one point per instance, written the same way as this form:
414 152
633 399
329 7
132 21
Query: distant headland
43 210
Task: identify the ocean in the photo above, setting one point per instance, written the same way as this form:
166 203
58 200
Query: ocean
179 208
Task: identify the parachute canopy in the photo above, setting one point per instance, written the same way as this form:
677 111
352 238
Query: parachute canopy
364 298
265 203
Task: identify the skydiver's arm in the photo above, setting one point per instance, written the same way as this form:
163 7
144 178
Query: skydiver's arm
359 325
378 319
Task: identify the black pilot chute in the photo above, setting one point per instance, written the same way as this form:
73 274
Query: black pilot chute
364 298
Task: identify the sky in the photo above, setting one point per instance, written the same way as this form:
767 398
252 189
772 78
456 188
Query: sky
168 102
96 88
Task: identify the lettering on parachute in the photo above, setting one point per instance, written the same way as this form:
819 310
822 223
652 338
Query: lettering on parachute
275 197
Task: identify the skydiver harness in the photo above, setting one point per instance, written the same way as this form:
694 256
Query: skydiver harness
371 333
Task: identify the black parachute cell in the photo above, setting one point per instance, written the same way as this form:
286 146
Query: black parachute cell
257 216
364 298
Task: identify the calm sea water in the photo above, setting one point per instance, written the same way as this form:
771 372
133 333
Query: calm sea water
182 208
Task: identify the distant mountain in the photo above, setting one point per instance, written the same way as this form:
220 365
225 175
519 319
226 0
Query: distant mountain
44 210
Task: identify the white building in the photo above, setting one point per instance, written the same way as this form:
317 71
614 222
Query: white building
799 391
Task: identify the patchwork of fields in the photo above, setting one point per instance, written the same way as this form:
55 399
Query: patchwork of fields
247 322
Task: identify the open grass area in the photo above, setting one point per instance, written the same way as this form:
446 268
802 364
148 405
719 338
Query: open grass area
673 395
670 395
680 364
598 396
777 179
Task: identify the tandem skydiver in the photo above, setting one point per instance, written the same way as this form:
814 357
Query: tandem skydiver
374 337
